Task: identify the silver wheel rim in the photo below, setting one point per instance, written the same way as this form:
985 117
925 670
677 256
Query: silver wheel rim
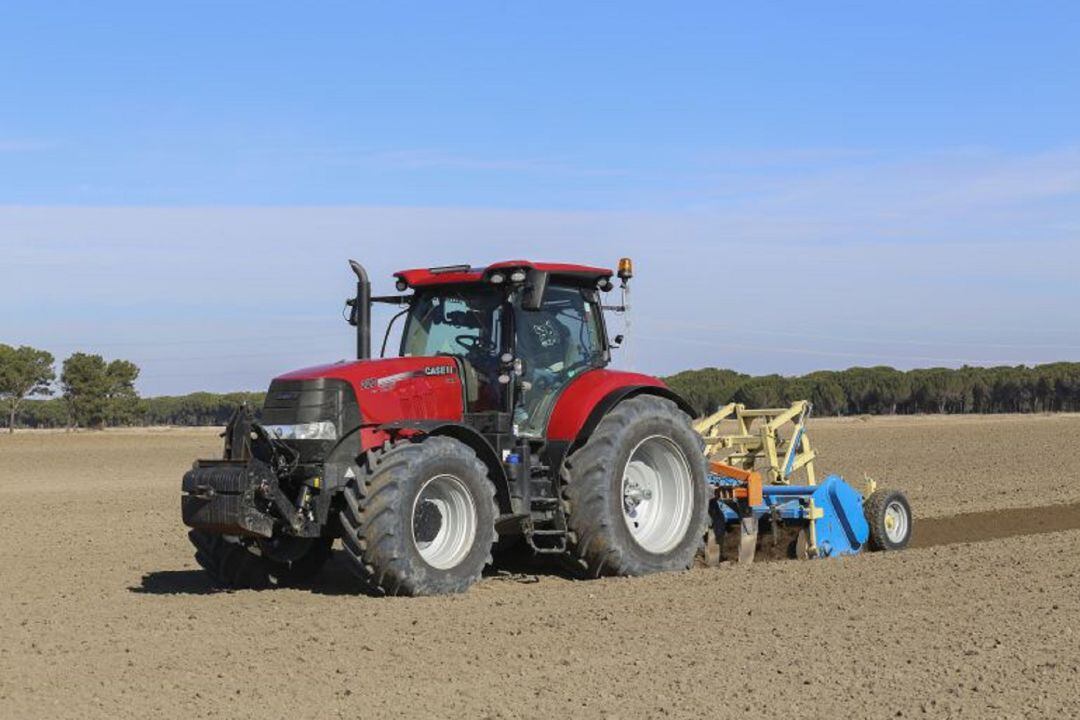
443 521
896 522
657 494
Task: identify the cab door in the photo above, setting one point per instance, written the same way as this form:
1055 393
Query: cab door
556 343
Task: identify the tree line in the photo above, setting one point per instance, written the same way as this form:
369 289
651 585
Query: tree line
95 393
1053 387
196 409
91 392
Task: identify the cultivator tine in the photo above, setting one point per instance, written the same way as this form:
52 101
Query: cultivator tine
748 527
802 545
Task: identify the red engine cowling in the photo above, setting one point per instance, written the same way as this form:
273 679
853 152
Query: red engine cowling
397 389
417 389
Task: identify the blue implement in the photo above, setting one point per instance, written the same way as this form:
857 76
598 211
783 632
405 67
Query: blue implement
840 528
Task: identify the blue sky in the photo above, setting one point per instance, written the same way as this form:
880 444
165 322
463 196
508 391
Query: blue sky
804 185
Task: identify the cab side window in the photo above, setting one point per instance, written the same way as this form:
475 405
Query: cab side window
556 343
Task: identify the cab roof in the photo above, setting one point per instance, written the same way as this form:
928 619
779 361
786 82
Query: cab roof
458 274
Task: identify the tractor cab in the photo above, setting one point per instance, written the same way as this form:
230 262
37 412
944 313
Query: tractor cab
520 332
499 419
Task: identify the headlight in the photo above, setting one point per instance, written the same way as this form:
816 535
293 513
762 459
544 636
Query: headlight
324 430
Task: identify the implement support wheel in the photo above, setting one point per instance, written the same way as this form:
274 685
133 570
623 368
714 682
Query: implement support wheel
888 513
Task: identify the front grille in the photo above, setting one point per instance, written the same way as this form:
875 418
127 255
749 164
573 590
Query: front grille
290 402
303 401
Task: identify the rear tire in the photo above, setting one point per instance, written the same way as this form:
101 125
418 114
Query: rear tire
420 520
238 564
636 495
888 513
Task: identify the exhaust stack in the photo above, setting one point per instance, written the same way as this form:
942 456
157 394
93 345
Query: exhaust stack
360 316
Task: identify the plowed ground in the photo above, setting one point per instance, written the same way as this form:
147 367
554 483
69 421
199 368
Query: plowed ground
104 615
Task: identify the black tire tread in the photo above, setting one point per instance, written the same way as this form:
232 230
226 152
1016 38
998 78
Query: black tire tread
594 549
232 564
370 513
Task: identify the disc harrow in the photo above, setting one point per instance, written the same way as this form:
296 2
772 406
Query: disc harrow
761 469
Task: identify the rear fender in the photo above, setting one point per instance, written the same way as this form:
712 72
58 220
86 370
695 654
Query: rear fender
585 402
615 397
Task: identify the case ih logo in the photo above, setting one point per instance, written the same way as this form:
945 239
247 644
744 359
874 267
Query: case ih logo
389 381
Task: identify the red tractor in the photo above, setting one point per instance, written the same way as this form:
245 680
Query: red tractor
499 418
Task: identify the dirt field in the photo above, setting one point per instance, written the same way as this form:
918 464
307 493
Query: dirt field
103 614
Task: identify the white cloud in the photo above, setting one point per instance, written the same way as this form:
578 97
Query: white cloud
950 257
940 196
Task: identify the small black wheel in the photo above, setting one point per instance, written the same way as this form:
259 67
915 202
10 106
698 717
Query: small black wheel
635 492
421 519
233 562
888 513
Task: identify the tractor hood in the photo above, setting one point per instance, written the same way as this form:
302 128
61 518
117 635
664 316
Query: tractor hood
386 391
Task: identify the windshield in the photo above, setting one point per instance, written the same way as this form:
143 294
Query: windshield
453 323
466 325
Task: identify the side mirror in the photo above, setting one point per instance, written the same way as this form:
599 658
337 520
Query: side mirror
535 285
617 341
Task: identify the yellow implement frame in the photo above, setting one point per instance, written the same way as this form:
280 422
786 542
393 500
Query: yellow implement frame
772 440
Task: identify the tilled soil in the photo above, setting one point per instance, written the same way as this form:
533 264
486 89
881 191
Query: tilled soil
103 613
950 465
996 525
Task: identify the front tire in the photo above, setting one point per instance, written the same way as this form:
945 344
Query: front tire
420 520
637 498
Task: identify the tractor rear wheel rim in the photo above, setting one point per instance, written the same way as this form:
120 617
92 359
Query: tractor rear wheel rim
896 522
657 494
444 521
